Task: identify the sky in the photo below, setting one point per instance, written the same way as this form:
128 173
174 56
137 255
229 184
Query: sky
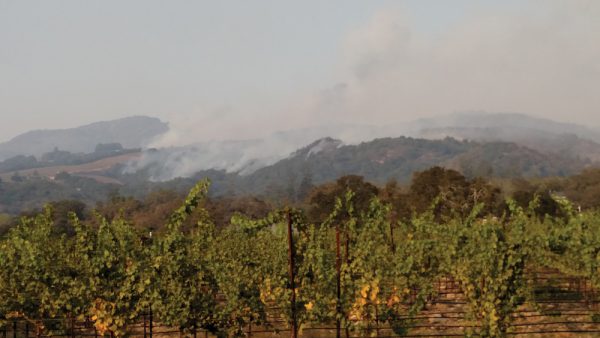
240 69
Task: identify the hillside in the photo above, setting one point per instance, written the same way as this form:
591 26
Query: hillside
92 169
378 161
489 145
246 156
130 132
322 161
398 158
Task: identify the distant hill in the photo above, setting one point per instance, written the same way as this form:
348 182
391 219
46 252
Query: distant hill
246 156
130 132
504 122
566 144
398 158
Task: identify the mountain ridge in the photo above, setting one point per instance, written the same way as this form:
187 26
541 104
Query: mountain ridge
131 132
385 159
247 156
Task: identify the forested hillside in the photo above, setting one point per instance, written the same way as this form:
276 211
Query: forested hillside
397 159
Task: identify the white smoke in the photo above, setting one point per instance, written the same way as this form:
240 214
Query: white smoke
542 59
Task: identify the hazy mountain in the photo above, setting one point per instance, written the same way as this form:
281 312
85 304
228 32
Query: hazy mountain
245 157
130 132
545 136
505 122
567 145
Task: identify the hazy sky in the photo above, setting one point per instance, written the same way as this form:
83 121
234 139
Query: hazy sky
223 69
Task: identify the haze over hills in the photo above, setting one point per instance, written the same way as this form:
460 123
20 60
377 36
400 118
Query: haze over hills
506 122
398 158
377 161
130 132
568 145
285 163
245 157
541 137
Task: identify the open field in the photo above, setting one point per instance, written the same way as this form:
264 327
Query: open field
90 170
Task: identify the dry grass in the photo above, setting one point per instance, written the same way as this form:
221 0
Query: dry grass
91 170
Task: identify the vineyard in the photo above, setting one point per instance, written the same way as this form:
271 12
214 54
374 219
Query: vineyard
359 272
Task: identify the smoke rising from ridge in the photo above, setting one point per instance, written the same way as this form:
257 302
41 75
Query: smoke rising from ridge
541 58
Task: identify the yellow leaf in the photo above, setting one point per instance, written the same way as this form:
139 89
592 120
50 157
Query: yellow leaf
364 291
374 293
